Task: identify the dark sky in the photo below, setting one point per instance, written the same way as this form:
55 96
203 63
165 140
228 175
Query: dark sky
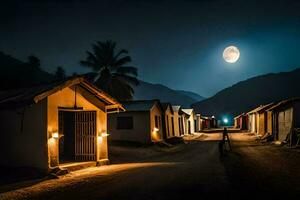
174 42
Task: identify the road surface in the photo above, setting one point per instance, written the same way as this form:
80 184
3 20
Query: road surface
193 170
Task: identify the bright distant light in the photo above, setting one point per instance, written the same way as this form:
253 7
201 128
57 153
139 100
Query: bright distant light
225 120
231 54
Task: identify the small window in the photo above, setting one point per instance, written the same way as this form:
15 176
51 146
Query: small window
125 123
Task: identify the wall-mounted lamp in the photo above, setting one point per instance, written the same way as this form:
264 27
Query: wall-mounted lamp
103 134
55 135
156 129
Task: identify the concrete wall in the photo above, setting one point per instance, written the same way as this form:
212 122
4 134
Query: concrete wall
236 123
285 118
24 137
187 121
156 135
261 127
176 124
269 122
168 123
185 124
141 127
253 121
198 124
66 98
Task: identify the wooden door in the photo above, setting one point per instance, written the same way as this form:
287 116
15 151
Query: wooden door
284 123
85 136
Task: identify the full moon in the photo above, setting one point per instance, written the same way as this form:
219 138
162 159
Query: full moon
231 54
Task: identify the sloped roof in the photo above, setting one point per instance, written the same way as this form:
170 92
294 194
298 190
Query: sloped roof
284 103
188 111
140 105
176 108
265 107
205 117
255 110
239 115
165 106
262 108
28 96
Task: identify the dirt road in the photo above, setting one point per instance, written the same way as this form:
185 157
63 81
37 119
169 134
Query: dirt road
193 170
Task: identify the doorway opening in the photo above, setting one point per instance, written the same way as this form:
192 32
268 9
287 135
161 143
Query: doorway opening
79 136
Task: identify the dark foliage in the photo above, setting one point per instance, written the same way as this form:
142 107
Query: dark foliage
60 73
112 73
18 74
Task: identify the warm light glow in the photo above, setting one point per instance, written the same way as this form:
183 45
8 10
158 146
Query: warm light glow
155 135
103 134
55 135
231 54
100 139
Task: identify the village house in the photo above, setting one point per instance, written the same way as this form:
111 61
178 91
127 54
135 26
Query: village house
285 117
141 122
241 121
168 121
263 120
258 123
253 120
178 120
47 126
207 122
237 121
189 121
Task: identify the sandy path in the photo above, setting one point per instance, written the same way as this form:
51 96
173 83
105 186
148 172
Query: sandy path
195 169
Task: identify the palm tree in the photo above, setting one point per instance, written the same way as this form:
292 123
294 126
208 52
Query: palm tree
113 75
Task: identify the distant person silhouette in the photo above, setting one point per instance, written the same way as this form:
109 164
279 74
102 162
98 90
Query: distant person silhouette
226 138
222 143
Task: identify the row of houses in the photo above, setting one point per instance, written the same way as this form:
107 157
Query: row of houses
149 121
278 120
47 126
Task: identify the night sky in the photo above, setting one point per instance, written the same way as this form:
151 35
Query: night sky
174 42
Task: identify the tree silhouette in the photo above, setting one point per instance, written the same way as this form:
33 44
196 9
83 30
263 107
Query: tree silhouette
112 73
34 62
60 73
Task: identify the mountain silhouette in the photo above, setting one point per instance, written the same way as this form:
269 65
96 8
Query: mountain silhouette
146 91
193 95
251 93
19 74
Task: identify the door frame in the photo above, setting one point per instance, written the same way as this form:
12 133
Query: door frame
61 110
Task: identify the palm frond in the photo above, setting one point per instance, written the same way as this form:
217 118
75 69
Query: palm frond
122 51
91 61
122 61
114 75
